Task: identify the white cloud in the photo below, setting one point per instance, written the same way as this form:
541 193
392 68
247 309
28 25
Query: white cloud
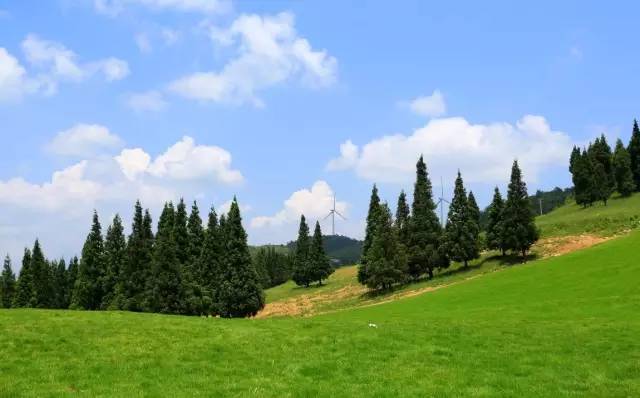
143 43
348 157
314 203
14 82
224 207
430 105
84 140
269 52
170 36
483 152
112 68
182 161
150 101
114 7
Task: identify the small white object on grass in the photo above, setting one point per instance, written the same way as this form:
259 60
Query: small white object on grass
373 325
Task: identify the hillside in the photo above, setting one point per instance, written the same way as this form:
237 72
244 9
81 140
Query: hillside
564 326
341 249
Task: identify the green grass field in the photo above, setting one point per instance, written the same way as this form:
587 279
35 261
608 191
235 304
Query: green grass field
563 326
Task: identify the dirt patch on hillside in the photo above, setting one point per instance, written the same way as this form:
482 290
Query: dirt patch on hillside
551 247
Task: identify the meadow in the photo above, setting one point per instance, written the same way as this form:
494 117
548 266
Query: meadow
562 326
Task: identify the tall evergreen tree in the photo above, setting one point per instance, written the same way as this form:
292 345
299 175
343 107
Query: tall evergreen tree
386 260
87 292
372 216
195 232
164 293
302 275
473 208
115 257
7 284
72 275
319 263
622 170
423 249
240 294
191 287
41 273
519 225
208 274
574 159
634 153
181 233
60 286
495 224
403 215
584 180
600 153
24 286
461 231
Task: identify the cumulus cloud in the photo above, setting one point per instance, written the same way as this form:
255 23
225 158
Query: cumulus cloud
150 101
430 105
226 206
483 152
270 52
14 83
314 203
84 140
115 7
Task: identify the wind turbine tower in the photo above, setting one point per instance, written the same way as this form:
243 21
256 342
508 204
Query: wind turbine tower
332 213
441 202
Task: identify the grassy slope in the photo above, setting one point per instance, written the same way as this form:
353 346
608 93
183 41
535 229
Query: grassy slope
619 215
558 327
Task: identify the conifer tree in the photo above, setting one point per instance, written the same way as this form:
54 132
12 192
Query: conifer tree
240 294
574 159
133 275
403 216
24 286
461 231
41 273
622 170
584 180
87 292
318 261
495 224
372 216
519 226
386 260
600 153
60 286
208 274
191 288
181 234
302 275
634 154
474 209
7 284
259 263
115 256
72 275
164 286
423 249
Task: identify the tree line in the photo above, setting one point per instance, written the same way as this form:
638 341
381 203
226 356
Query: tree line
184 268
310 262
597 172
412 244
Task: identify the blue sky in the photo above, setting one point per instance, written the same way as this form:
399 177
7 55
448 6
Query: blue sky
286 102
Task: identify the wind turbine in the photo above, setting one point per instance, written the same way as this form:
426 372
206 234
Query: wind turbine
332 214
442 201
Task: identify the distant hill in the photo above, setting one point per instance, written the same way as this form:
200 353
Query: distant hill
342 250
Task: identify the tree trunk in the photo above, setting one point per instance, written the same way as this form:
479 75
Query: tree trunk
430 273
466 263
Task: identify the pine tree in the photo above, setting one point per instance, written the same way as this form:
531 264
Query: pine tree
24 286
259 263
403 216
208 273
318 261
72 275
191 287
41 273
386 260
574 159
461 231
622 170
600 153
372 216
164 293
301 265
519 226
133 275
181 234
115 256
423 249
584 180
60 286
240 294
473 208
87 292
495 224
7 284
634 153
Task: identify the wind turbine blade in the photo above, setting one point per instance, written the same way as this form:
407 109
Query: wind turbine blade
328 215
343 217
445 201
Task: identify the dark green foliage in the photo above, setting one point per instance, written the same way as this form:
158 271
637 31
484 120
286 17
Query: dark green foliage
301 265
240 294
7 284
372 216
276 265
132 282
495 224
115 257
72 276
600 153
181 234
209 268
461 231
87 292
584 180
403 215
191 270
24 286
42 284
574 159
622 170
634 154
261 270
342 250
386 260
519 226
319 264
424 237
60 287
164 293
474 210
549 200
